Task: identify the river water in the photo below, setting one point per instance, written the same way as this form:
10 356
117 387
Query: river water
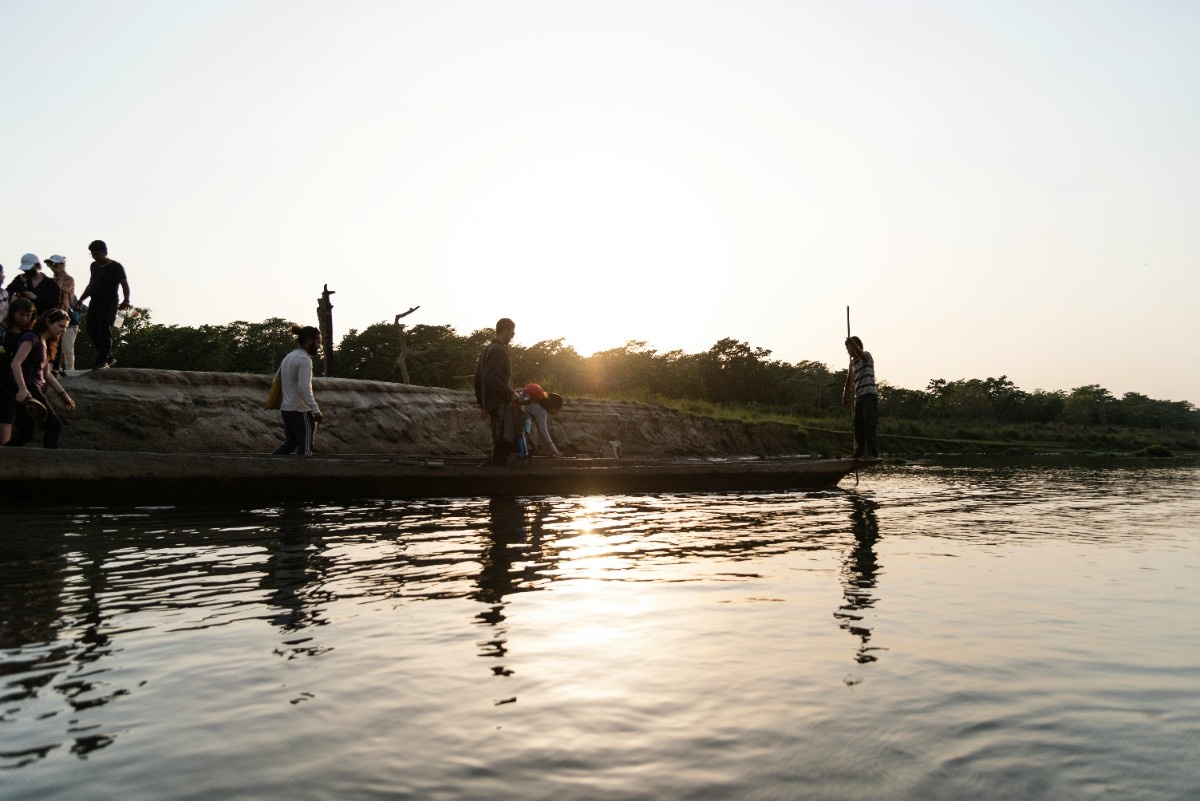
989 630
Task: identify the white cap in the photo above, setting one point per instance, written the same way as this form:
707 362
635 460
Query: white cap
57 259
29 261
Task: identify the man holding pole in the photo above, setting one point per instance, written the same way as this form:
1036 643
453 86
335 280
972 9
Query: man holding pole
861 379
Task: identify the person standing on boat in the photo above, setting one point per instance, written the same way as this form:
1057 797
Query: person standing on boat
860 379
493 389
106 276
31 371
298 407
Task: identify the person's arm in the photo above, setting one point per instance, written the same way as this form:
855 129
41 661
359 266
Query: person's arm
86 292
14 289
48 373
304 384
493 367
17 360
67 299
125 289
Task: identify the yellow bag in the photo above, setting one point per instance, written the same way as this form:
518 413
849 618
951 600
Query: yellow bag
275 393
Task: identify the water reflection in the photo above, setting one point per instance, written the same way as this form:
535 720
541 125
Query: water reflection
511 561
294 574
51 648
858 575
68 601
653 665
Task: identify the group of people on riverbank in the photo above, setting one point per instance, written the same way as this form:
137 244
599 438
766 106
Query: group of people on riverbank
39 319
513 412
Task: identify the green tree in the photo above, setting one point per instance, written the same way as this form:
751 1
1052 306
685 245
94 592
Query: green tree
556 366
1088 405
734 371
369 354
260 347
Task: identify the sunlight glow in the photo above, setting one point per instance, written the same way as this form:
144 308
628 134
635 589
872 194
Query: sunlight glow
615 219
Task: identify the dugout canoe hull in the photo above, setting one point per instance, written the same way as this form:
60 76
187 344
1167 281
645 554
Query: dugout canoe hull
107 477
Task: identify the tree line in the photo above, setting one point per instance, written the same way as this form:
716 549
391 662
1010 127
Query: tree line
730 372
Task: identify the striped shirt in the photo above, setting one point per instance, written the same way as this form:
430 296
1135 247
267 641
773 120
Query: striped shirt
863 372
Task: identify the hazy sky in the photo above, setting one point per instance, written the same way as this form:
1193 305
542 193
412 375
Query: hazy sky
993 187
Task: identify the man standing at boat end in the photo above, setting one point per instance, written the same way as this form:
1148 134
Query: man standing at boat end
860 379
493 390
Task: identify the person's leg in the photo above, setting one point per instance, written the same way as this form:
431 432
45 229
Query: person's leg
860 433
500 446
22 429
66 348
870 425
305 435
8 409
98 329
52 424
291 433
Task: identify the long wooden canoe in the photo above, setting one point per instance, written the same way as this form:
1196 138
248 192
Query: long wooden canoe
107 477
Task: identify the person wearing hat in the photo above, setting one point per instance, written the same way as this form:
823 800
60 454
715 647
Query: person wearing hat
65 360
106 277
31 371
35 286
540 405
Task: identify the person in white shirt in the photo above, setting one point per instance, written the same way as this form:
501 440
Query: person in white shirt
298 407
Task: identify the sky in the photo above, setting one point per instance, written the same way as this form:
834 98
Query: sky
993 188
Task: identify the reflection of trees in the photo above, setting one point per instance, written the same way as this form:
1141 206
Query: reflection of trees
858 575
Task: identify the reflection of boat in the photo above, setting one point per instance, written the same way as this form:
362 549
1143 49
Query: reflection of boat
126 477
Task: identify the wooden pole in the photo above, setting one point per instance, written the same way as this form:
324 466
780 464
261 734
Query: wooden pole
847 322
325 326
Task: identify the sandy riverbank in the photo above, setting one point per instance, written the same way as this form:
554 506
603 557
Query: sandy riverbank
171 411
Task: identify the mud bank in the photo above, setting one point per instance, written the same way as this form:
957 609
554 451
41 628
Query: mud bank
168 411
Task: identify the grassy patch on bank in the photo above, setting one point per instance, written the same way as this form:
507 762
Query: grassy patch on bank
829 435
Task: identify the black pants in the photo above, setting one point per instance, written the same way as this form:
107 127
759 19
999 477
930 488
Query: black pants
299 428
504 420
24 425
866 420
99 328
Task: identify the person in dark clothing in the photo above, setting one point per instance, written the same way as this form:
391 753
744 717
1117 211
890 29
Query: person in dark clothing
106 276
31 371
18 320
34 285
493 389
